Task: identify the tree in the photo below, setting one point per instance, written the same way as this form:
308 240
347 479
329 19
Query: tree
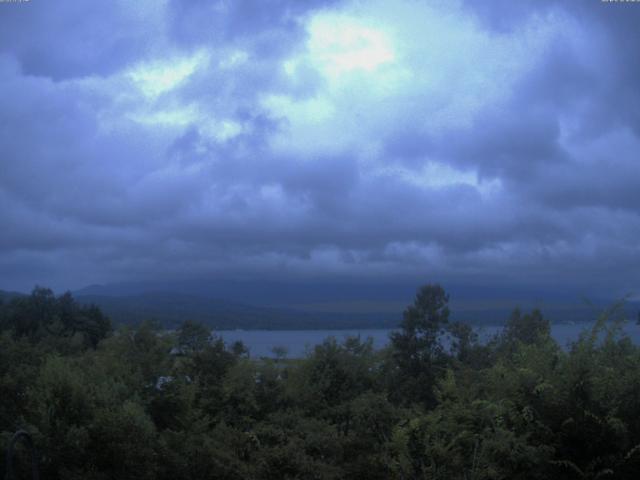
42 314
280 352
193 336
465 346
93 324
28 315
416 347
528 329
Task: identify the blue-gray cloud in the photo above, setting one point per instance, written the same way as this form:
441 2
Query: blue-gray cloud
185 139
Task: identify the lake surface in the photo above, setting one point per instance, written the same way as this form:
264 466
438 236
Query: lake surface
299 342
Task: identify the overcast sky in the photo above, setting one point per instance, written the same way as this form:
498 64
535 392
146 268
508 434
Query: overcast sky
453 141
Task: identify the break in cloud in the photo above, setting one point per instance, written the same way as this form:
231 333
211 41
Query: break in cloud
452 141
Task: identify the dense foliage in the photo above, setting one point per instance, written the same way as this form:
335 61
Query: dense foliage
436 404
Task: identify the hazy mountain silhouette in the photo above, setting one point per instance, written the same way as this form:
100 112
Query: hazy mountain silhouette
292 305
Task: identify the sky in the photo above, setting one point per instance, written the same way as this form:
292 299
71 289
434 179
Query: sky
453 141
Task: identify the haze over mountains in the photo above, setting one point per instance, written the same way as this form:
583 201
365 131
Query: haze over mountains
260 304
230 304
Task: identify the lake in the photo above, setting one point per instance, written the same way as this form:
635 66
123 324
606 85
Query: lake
298 342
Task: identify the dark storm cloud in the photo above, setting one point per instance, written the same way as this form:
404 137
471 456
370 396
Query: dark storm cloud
509 142
196 138
613 27
563 142
599 101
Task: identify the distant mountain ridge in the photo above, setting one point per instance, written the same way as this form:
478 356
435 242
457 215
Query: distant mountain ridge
170 309
268 292
287 305
5 296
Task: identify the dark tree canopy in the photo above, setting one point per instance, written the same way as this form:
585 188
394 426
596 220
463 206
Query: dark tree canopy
417 348
528 328
193 336
436 403
42 313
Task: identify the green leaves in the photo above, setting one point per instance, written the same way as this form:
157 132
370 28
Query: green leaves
417 349
146 403
42 315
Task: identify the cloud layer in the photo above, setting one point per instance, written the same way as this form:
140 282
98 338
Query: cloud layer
453 141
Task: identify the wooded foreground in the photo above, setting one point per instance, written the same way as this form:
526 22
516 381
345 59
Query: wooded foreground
139 403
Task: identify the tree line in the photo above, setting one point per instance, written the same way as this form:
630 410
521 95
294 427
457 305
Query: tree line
140 402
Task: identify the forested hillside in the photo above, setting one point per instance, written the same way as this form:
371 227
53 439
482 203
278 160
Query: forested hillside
140 403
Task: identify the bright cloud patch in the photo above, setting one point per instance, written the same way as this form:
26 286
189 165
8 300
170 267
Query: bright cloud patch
437 175
340 44
432 67
158 77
